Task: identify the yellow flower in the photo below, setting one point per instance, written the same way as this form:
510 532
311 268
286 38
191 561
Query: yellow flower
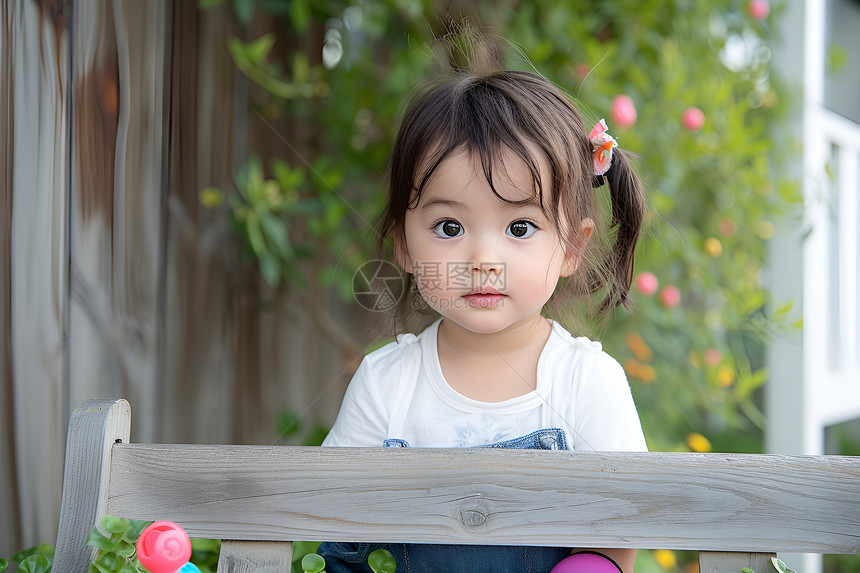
713 247
698 443
764 229
665 558
211 197
638 347
725 376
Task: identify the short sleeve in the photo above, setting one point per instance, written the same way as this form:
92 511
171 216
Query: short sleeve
605 416
363 418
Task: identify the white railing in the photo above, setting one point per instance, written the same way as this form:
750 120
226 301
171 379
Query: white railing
832 272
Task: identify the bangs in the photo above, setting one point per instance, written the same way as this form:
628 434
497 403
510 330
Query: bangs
484 126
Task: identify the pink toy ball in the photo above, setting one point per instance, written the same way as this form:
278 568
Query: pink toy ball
670 296
164 547
647 283
623 111
693 119
759 9
585 563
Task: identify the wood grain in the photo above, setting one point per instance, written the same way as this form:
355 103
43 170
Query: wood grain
255 557
716 502
36 75
94 428
734 562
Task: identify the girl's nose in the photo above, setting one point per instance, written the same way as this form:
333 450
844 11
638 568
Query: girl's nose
487 267
486 254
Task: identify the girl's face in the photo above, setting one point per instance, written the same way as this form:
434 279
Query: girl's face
483 263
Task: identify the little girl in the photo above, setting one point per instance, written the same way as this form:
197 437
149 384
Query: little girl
494 210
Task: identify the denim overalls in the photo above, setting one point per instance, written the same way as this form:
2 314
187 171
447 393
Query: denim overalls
437 558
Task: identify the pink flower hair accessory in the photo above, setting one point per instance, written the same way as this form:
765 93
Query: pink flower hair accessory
602 145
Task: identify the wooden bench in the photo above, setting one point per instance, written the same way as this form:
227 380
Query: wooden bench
735 509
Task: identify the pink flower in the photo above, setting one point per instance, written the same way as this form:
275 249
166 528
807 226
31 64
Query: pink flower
727 227
670 296
582 70
759 9
712 356
647 283
693 119
623 111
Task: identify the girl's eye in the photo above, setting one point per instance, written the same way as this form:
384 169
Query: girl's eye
521 229
448 229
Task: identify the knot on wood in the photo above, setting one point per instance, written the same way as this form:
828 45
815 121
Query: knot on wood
473 518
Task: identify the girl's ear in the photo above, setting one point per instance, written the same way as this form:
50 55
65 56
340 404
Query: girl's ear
573 255
401 251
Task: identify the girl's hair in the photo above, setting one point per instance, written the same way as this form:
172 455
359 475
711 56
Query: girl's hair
490 113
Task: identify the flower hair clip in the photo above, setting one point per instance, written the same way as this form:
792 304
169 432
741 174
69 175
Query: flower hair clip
602 145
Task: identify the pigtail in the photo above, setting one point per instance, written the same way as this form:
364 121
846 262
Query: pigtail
628 212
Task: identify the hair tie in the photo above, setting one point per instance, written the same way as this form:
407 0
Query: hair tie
602 145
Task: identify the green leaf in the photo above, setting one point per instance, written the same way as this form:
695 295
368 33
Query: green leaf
288 423
780 566
102 568
288 177
257 50
313 563
270 268
275 230
113 524
381 561
301 68
207 545
99 541
255 236
747 570
3 565
35 564
300 15
136 528
126 550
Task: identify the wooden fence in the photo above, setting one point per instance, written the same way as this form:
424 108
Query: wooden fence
114 280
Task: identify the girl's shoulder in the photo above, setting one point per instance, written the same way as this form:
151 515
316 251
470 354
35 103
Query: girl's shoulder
580 354
576 343
405 347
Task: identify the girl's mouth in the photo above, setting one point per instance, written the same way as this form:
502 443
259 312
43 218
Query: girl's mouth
484 297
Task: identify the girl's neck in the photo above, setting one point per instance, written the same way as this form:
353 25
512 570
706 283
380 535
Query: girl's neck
492 367
521 338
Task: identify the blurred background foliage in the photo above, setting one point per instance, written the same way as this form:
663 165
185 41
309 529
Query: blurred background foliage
686 85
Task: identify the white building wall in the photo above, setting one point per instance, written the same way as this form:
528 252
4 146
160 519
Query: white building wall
815 374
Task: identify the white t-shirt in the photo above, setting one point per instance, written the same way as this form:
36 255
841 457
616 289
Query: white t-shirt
399 392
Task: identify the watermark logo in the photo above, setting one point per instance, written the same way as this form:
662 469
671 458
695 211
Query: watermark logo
378 285
436 275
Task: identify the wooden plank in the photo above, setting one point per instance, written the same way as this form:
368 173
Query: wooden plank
717 502
734 562
95 426
39 97
255 557
119 163
9 517
200 329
